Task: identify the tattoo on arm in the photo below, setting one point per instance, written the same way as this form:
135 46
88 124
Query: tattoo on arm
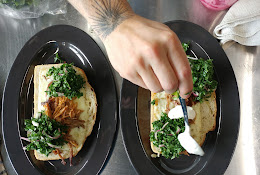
107 15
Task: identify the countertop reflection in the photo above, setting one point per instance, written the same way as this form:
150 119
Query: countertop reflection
244 60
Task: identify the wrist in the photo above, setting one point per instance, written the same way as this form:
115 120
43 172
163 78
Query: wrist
105 18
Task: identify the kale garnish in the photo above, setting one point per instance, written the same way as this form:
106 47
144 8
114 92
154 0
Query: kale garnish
66 81
44 134
165 135
202 75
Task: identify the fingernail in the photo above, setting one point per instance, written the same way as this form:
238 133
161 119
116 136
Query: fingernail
188 93
185 96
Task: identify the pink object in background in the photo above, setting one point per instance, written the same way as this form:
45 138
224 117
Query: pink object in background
218 4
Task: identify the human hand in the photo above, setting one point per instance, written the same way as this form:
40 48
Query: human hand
149 54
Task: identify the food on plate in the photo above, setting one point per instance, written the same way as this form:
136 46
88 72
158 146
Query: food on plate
65 108
17 4
167 120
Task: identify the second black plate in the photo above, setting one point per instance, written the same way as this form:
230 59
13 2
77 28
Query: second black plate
219 144
75 46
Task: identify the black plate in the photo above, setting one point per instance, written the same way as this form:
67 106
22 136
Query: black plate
74 46
219 144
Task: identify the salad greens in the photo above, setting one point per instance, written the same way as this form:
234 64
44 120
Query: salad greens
176 95
202 76
57 58
66 81
17 3
44 134
185 46
153 102
165 136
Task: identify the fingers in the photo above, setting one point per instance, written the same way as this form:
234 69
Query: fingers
160 68
134 77
149 55
167 77
155 69
179 61
164 72
150 80
138 81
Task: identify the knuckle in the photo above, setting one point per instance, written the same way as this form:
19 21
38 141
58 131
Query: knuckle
170 86
185 73
152 50
139 62
170 37
156 89
127 73
147 46
135 62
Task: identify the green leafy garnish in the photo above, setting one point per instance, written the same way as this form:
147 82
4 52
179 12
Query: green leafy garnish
165 136
176 95
17 3
185 46
66 81
46 136
153 102
203 77
57 58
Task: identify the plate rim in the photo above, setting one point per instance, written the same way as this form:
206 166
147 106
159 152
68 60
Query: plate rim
35 46
134 89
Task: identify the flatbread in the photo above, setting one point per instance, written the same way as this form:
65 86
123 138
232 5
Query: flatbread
204 121
87 103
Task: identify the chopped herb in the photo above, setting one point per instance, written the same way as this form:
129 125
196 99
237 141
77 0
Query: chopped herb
167 138
57 58
153 102
46 135
176 95
66 81
17 3
185 46
203 77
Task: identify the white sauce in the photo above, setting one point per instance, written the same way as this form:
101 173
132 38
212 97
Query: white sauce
177 112
188 143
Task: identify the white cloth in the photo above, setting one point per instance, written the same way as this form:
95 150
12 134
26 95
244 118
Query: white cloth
241 24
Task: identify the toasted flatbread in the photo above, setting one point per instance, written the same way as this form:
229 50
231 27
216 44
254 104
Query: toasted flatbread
204 121
87 103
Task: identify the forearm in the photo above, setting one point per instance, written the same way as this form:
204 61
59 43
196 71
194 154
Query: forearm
103 15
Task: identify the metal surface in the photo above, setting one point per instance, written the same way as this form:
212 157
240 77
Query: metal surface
245 61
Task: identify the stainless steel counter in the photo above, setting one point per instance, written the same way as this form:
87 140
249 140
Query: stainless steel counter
244 60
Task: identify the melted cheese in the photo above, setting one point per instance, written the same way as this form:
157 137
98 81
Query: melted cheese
43 85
